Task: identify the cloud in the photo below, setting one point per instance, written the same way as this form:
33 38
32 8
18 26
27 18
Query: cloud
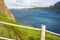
29 3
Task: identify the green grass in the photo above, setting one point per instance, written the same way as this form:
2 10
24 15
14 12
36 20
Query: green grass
21 33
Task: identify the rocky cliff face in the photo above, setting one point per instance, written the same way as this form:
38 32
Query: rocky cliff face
57 6
5 11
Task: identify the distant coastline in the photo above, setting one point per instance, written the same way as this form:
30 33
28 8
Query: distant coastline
54 8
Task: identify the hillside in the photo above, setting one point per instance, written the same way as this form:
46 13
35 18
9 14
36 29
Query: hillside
55 7
5 11
14 32
21 33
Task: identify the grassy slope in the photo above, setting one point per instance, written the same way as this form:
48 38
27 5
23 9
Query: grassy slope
21 33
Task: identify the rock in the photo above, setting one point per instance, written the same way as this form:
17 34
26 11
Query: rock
4 10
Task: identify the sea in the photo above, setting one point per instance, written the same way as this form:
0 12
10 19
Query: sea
36 18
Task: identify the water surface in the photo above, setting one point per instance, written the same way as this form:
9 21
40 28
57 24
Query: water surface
37 17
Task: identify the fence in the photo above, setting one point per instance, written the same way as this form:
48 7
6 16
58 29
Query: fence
42 30
5 38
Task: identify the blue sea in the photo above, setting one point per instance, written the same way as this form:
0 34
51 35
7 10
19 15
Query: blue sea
37 17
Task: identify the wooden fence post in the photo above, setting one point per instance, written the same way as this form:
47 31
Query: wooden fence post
43 32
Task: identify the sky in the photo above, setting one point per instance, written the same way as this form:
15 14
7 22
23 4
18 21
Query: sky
29 3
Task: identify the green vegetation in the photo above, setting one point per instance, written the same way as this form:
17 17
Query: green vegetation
14 32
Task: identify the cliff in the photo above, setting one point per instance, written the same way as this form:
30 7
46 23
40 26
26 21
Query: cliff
4 10
57 6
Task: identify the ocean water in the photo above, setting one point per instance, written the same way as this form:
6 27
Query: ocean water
37 17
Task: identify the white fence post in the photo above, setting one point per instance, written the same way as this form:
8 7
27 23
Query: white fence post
43 32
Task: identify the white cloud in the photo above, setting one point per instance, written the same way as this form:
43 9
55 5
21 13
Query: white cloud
29 3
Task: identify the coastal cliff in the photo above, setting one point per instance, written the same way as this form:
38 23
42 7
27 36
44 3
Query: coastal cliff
4 10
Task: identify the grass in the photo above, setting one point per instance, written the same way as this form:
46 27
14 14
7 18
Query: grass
21 33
